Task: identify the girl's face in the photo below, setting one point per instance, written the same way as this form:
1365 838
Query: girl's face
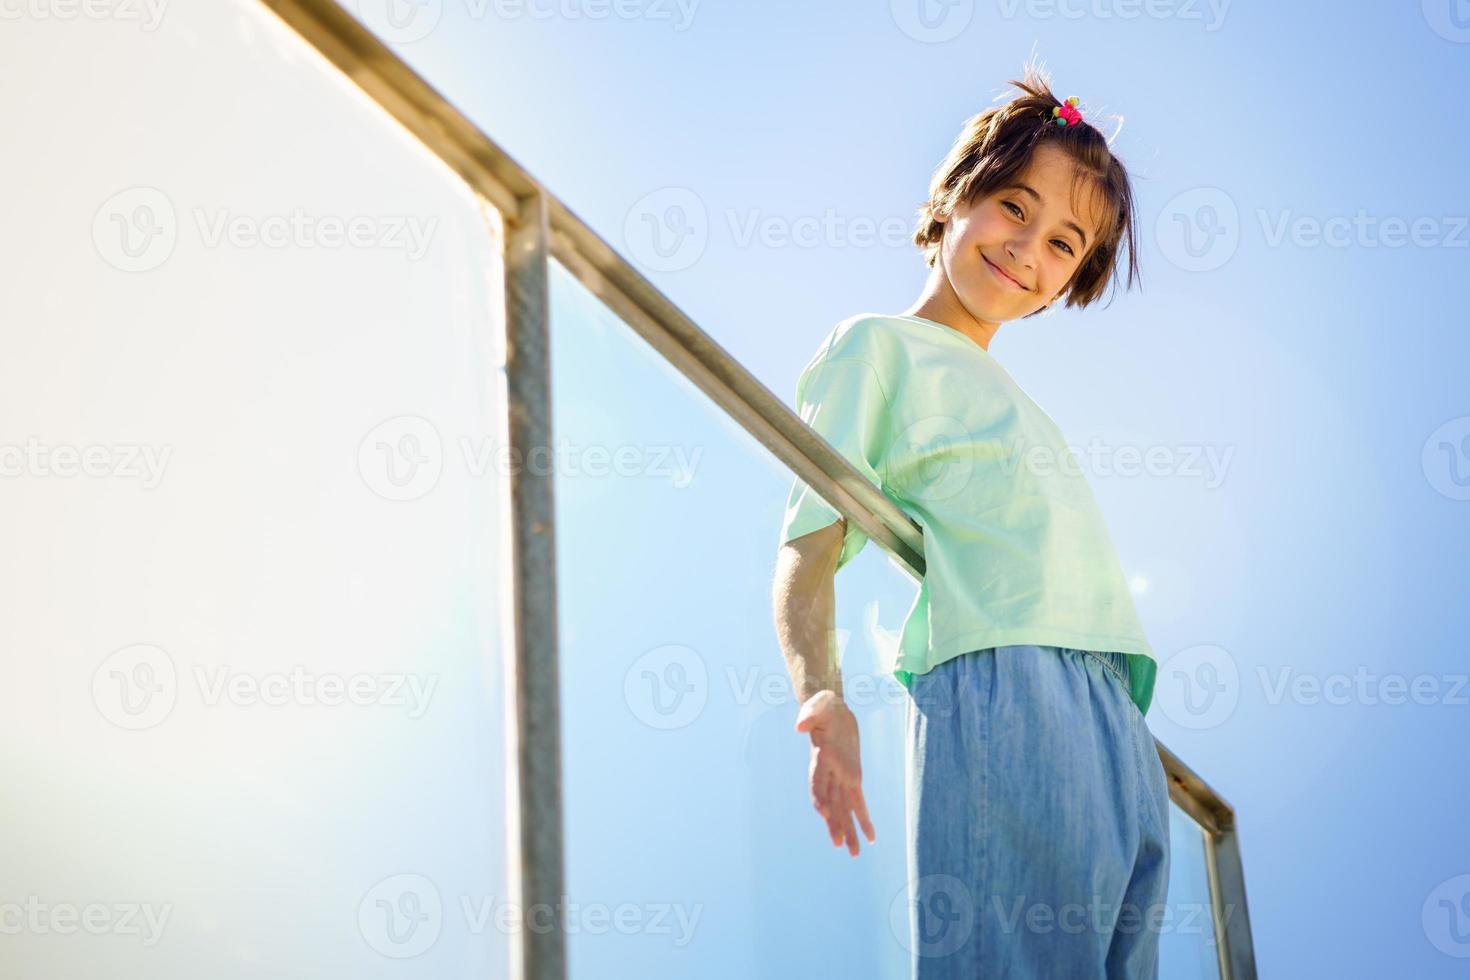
1012 251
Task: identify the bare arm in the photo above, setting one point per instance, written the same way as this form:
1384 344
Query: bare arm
804 609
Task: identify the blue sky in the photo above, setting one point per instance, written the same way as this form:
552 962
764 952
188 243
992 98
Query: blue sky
1304 251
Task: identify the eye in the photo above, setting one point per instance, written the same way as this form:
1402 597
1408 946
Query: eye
1017 211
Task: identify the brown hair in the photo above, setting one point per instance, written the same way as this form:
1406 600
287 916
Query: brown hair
997 144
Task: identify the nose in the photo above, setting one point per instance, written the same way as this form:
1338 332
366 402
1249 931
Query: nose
1021 252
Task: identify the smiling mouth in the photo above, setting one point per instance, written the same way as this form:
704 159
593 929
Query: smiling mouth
997 270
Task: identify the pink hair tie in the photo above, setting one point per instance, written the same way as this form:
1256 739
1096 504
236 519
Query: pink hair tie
1066 115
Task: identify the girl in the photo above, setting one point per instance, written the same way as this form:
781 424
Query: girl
1037 808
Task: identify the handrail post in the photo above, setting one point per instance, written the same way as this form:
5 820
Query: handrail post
1232 920
535 853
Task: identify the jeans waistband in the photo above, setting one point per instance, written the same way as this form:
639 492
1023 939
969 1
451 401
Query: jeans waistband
1114 661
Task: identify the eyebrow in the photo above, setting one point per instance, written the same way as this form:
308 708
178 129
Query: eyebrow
1018 186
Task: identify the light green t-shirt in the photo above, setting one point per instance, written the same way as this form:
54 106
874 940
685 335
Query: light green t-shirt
1016 550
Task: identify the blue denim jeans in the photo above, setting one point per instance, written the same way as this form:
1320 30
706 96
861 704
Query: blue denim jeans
1037 819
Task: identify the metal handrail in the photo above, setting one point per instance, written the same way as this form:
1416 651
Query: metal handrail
490 172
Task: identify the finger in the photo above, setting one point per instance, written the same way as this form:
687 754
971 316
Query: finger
823 784
827 810
844 821
834 829
839 812
838 809
861 806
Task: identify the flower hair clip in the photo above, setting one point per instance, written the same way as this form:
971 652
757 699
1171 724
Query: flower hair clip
1066 115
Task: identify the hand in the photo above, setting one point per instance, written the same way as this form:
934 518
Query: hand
836 769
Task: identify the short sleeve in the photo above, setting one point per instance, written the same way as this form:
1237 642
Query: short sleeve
844 402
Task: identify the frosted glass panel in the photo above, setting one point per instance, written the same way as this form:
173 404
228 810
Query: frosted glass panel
1187 947
251 723
686 785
